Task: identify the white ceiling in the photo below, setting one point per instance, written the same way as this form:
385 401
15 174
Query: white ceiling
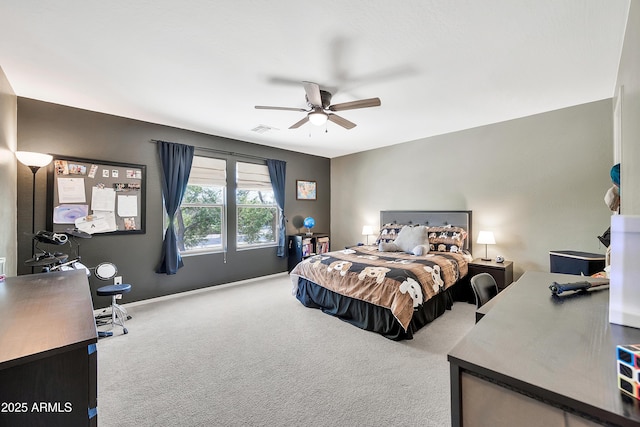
437 65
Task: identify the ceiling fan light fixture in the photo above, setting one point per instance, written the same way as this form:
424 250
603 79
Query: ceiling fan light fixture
318 117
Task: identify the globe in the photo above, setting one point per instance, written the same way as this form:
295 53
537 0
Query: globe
309 223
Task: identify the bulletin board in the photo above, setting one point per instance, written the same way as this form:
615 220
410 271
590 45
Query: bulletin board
95 196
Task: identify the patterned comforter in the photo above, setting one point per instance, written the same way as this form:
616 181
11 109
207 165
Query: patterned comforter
395 280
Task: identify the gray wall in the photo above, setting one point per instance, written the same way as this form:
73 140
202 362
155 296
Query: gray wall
61 130
538 183
8 118
629 79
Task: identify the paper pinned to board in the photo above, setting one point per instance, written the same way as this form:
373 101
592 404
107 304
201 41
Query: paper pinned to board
94 224
103 199
67 214
109 218
127 205
71 190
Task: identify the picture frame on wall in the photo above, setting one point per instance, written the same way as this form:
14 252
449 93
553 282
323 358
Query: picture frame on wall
306 190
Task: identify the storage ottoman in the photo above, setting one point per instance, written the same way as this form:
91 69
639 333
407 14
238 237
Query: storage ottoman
575 262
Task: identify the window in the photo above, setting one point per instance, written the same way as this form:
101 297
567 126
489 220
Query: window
200 221
257 212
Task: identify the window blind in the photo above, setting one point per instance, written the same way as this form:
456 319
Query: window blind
208 171
251 176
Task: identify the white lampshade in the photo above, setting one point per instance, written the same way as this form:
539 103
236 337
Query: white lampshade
318 117
367 230
29 158
486 238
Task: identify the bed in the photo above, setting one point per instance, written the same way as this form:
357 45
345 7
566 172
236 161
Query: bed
392 292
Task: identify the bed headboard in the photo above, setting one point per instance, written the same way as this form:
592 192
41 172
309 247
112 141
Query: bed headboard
431 218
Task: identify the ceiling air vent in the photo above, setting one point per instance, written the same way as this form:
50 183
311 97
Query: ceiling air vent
262 129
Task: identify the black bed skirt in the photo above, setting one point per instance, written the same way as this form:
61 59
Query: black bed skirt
375 318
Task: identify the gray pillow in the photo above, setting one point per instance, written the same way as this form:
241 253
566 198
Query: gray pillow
420 250
388 247
410 237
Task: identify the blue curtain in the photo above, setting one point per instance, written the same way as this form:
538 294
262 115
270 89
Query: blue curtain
176 162
277 174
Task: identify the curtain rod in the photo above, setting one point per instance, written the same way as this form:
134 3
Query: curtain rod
214 150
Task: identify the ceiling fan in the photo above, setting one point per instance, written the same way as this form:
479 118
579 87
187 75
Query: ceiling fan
320 109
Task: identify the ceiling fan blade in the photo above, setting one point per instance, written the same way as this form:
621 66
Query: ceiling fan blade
265 107
300 123
313 93
341 121
363 103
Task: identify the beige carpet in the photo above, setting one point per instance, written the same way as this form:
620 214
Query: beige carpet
250 354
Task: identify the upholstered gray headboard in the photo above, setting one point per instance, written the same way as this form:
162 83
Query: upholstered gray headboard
431 218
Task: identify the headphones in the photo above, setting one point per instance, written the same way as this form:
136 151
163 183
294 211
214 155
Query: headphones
52 238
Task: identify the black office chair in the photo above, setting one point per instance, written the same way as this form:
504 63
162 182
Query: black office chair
484 287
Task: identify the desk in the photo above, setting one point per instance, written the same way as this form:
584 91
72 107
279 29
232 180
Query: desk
48 360
538 360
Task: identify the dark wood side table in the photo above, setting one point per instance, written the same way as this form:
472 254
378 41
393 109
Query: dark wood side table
502 272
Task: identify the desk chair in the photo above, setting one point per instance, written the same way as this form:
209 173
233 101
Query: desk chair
118 312
484 288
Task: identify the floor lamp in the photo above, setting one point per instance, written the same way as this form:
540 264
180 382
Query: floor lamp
34 161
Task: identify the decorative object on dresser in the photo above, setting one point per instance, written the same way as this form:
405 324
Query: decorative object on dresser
486 238
502 272
309 223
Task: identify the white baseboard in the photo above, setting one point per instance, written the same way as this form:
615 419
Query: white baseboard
196 291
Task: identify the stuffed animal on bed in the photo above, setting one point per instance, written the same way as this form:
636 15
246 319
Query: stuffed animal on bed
411 239
412 287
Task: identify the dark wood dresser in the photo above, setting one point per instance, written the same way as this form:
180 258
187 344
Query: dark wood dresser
48 359
538 360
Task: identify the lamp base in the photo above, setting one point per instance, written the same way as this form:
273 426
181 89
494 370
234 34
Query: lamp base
485 259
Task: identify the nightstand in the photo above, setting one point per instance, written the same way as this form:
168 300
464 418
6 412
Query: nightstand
502 272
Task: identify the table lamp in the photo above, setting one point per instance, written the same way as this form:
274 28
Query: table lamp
486 238
367 230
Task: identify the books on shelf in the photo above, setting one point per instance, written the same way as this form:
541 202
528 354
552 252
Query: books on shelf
322 245
307 247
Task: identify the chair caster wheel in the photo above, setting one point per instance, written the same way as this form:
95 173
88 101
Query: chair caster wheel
125 331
